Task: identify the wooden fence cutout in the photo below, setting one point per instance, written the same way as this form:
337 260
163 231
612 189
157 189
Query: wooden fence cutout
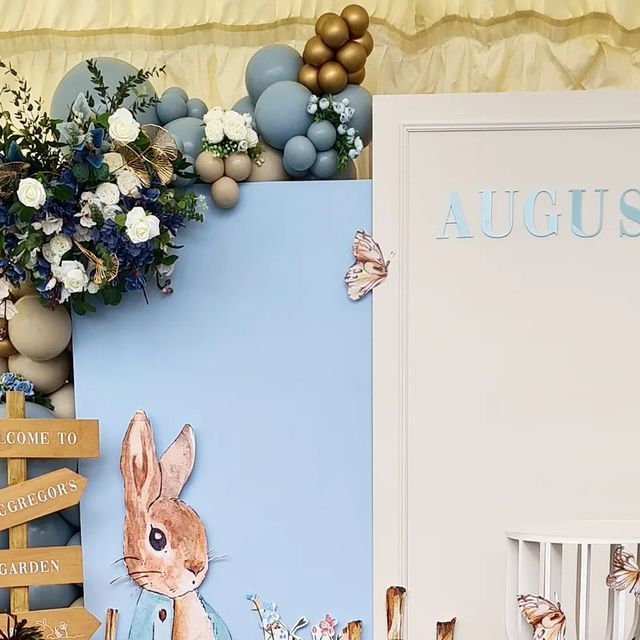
24 500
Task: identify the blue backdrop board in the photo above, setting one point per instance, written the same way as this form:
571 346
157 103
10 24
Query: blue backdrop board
261 351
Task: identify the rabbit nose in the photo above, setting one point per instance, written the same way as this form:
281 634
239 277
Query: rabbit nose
194 566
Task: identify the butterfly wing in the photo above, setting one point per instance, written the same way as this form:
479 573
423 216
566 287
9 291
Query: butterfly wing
547 619
369 270
135 163
161 140
625 574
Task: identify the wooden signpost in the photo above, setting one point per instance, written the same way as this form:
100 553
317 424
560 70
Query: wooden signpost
24 500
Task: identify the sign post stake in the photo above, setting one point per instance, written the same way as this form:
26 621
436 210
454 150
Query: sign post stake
17 472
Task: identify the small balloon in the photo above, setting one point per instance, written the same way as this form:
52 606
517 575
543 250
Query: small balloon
325 165
270 64
308 76
190 131
334 32
322 134
209 167
244 105
196 108
332 77
294 173
49 531
238 166
225 192
366 41
182 182
322 19
72 515
176 90
316 52
357 20
171 107
299 153
352 56
52 596
357 77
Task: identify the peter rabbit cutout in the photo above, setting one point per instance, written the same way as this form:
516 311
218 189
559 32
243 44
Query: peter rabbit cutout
165 542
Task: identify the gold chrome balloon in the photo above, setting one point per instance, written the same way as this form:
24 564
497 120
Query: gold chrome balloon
366 41
308 76
321 20
357 19
332 77
352 56
357 77
316 52
334 32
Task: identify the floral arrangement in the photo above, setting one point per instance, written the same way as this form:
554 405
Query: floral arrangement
87 210
15 382
348 143
227 132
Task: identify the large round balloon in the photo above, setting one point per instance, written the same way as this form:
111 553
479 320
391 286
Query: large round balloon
281 112
299 153
49 531
360 100
78 80
190 132
325 164
271 64
72 515
52 596
244 105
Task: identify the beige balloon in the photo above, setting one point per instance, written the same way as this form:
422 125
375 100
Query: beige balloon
4 365
78 602
270 168
238 166
209 167
225 192
39 332
64 402
46 375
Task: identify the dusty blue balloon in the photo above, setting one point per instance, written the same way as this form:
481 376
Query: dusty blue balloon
271 64
244 105
322 134
78 80
196 108
52 596
360 99
299 153
75 539
49 531
171 107
281 113
72 515
178 142
176 90
325 165
185 182
294 173
190 131
348 173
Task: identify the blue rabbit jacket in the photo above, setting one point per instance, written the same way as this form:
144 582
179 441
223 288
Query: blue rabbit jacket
150 623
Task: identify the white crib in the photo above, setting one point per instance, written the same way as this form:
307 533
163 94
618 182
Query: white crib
568 563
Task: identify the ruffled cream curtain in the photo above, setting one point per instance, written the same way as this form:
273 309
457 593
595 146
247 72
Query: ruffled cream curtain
422 46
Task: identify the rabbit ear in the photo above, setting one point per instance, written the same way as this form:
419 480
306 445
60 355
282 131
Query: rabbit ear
139 465
177 462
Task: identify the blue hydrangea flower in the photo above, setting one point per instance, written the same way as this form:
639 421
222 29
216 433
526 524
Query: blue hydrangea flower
24 386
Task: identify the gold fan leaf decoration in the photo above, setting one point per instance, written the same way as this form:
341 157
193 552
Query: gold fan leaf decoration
159 155
103 272
9 172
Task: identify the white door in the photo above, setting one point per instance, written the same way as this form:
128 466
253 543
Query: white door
506 350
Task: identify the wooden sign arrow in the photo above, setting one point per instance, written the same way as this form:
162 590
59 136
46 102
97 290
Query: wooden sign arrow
58 624
38 497
40 565
30 438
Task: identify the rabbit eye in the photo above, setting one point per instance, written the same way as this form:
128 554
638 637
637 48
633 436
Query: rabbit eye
157 539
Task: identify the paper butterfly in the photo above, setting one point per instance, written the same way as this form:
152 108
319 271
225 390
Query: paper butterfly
547 619
370 268
625 575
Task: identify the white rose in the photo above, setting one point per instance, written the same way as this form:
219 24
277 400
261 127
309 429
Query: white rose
92 287
234 126
56 248
215 114
324 103
72 275
108 193
213 132
114 161
123 127
252 138
248 119
31 193
128 182
141 226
